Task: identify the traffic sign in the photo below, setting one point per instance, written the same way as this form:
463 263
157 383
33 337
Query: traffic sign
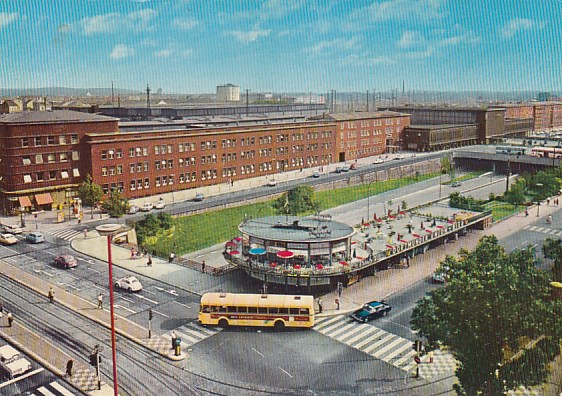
417 359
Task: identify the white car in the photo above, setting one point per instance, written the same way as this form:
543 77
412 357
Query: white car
129 283
272 183
160 205
12 361
12 229
133 209
8 239
147 207
378 161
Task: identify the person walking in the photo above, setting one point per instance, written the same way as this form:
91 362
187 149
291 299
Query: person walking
69 365
10 319
203 266
51 294
340 289
132 253
100 301
172 257
85 233
1 307
149 262
337 303
320 307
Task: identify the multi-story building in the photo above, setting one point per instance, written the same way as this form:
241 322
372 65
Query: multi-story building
545 115
228 93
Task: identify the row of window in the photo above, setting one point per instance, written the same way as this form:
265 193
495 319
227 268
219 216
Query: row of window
255 310
51 158
50 175
49 140
367 123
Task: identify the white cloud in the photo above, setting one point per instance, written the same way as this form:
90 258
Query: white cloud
465 38
410 39
185 23
380 11
121 51
138 21
517 25
252 35
165 53
6 19
367 60
335 44
274 9
422 54
186 52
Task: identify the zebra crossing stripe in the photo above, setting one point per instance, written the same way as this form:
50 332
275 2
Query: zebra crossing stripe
385 339
326 322
381 352
533 228
207 330
406 346
45 391
553 232
404 359
367 330
343 329
330 327
186 336
371 338
62 390
350 333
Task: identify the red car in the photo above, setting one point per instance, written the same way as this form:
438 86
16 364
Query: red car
66 261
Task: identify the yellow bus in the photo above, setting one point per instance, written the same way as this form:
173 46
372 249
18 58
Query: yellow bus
277 310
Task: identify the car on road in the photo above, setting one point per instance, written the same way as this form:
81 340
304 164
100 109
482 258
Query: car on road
66 261
378 161
399 157
371 310
35 237
199 197
339 169
272 183
133 209
12 361
8 239
147 207
129 283
316 174
160 205
12 229
456 184
345 168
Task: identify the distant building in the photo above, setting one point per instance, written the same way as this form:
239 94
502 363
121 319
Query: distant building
9 106
308 99
543 96
228 93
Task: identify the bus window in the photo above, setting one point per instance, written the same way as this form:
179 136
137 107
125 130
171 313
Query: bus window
215 309
222 309
303 311
294 311
273 310
252 309
262 310
206 309
242 310
283 310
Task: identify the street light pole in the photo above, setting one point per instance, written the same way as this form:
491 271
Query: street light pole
368 200
539 185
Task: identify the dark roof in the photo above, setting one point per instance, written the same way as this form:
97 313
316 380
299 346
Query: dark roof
32 117
438 126
358 116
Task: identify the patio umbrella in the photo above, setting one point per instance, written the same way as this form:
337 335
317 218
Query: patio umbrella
344 263
403 241
257 251
440 227
416 235
389 247
428 231
320 266
230 244
285 254
297 266
238 239
234 252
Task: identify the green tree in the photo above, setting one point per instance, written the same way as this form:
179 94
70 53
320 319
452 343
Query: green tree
90 193
296 201
491 306
447 166
151 225
516 193
552 249
115 205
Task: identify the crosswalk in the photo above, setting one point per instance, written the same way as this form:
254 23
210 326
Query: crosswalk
68 234
544 230
52 389
382 345
192 333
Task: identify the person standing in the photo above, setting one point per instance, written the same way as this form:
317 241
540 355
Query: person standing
69 365
85 233
320 307
100 301
1 307
340 289
10 319
51 295
337 303
149 262
203 266
172 257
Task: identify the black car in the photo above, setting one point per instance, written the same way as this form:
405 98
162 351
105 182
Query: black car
371 310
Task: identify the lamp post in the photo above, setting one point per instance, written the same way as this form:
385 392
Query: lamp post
368 199
22 216
110 230
539 185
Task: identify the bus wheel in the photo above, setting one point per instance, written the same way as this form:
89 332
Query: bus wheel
279 325
223 323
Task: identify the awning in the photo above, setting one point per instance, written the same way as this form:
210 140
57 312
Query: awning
44 199
24 201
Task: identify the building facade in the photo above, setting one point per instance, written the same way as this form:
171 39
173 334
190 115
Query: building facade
228 93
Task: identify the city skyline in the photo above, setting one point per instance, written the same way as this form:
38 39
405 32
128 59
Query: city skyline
297 46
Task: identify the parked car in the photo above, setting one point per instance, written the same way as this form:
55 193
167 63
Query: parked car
35 237
133 209
12 229
316 174
199 197
8 239
12 361
129 283
339 169
399 157
378 161
371 310
66 261
345 168
272 183
160 205
147 207
456 184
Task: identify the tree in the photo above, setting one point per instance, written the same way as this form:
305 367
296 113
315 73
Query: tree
90 193
492 305
115 204
552 249
296 201
447 166
516 194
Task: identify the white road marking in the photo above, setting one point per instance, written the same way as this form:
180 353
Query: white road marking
160 313
187 306
147 299
125 308
96 271
73 287
285 372
148 291
45 391
258 352
126 299
61 389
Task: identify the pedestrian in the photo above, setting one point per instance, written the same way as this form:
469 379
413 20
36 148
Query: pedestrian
407 261
203 266
526 213
100 301
85 233
320 308
231 182
337 303
69 365
132 253
10 319
548 201
51 294
174 336
144 252
1 307
340 289
172 257
149 262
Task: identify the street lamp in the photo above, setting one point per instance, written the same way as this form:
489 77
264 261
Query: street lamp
368 199
22 216
110 230
539 185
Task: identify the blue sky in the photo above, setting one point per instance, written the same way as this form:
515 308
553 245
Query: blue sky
282 45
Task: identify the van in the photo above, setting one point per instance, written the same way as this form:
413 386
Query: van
12 362
35 237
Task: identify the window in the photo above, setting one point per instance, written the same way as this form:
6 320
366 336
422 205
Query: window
63 157
145 166
74 138
37 140
52 175
180 147
51 158
105 188
145 151
170 164
104 171
50 140
26 160
75 172
138 151
75 156
146 183
156 150
104 155
131 168
111 154
40 176
119 169
132 185
169 149
25 142
139 167
157 181
118 153
131 152
112 171
27 178
157 165
62 139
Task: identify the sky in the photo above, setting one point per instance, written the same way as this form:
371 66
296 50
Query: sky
191 46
